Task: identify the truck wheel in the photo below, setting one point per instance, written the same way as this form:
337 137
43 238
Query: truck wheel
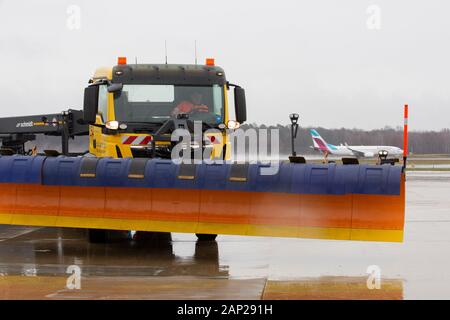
206 237
97 235
151 236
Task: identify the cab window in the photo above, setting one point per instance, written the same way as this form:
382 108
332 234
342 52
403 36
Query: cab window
103 102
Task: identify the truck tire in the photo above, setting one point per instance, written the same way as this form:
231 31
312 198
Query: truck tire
107 236
206 237
97 236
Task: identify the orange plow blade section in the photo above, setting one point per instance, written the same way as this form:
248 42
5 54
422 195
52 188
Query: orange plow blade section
301 200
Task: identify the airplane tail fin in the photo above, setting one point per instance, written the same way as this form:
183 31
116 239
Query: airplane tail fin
319 142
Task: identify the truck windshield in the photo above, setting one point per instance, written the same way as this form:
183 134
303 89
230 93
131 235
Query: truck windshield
158 103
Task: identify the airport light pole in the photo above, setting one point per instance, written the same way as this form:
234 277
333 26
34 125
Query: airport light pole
294 131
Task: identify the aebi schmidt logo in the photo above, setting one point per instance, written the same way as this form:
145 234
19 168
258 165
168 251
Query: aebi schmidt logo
25 124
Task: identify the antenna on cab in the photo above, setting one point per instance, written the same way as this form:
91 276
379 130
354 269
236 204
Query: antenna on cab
165 46
195 50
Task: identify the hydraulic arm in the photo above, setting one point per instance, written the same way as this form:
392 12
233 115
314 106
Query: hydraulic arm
16 131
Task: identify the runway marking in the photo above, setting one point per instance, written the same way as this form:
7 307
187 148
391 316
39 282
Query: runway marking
155 288
332 288
322 288
11 232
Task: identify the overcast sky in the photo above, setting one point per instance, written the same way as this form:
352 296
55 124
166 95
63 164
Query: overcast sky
347 63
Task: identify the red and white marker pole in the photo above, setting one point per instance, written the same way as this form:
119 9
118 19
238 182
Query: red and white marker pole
405 137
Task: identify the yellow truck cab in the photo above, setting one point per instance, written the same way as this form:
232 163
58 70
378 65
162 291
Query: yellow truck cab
128 105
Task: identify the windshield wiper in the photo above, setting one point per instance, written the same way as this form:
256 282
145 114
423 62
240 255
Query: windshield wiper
140 126
149 123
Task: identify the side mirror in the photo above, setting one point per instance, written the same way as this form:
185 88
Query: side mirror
115 87
90 108
240 104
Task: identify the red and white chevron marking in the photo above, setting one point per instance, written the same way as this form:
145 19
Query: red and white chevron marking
214 139
137 140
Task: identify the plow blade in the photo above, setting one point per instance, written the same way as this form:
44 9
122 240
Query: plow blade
352 202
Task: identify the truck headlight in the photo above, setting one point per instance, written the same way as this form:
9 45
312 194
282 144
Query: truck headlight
233 125
112 125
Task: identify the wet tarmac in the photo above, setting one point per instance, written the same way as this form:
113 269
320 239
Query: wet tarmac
34 261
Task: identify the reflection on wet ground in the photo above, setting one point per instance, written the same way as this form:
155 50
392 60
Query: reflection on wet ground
34 261
51 250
